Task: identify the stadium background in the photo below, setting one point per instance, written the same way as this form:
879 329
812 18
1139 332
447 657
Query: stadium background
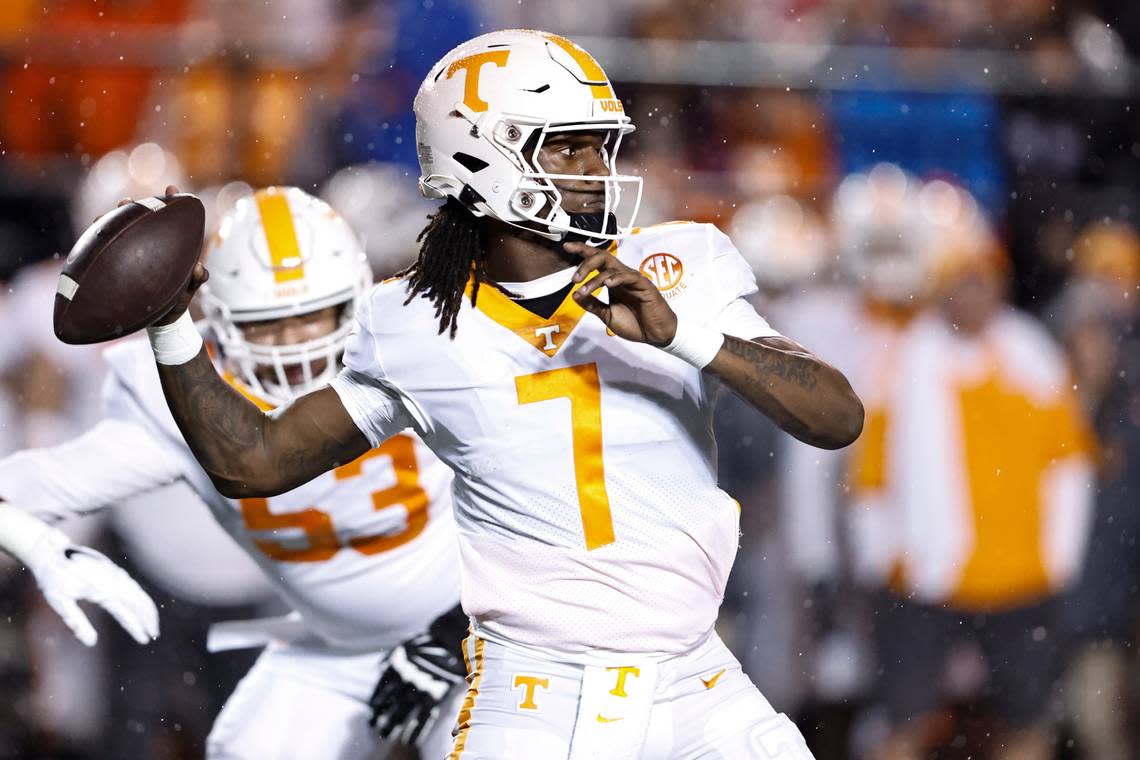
750 115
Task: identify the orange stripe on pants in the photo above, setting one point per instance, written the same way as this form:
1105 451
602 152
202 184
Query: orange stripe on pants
474 675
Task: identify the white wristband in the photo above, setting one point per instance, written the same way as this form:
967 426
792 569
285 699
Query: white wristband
175 343
695 344
23 535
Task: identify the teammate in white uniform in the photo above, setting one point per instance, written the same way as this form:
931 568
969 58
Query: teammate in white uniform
365 554
595 542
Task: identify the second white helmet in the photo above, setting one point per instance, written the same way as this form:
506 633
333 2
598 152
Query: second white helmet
281 253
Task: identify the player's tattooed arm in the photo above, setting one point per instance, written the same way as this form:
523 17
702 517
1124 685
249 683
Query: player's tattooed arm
804 395
247 452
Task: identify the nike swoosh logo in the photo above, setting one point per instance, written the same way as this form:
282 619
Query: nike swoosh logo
69 553
711 682
604 719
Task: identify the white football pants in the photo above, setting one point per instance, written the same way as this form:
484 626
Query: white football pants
520 705
301 703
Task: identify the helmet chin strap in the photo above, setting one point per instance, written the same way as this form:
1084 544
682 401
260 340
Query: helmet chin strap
595 222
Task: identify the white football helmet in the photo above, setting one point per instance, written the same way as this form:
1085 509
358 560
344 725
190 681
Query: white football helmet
381 203
280 253
880 231
786 243
483 113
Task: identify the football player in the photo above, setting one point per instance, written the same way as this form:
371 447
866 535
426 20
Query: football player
570 388
365 553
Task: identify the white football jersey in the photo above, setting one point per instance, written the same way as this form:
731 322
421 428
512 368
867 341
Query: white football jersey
586 492
365 553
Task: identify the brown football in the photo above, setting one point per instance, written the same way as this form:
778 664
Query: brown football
129 268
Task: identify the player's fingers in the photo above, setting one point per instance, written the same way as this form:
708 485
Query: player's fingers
150 619
582 249
124 202
591 263
139 605
384 725
128 621
73 617
116 591
621 279
379 722
589 287
611 277
200 275
594 306
171 190
413 727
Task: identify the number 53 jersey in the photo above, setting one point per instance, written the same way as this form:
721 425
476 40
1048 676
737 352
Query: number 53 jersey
585 469
365 553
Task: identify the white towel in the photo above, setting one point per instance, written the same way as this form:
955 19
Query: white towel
258 632
613 712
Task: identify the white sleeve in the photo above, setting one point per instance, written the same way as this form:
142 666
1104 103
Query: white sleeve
374 406
114 460
734 282
739 319
376 410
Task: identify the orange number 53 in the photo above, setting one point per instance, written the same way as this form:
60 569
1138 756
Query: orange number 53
581 386
317 524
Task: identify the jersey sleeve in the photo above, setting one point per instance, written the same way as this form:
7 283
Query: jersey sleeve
112 461
734 282
376 408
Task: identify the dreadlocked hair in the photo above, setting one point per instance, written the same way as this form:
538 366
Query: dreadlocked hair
451 249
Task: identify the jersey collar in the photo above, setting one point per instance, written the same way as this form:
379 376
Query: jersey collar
547 335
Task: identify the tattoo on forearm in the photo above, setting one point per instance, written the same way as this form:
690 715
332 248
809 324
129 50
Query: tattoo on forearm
219 425
803 395
244 450
792 366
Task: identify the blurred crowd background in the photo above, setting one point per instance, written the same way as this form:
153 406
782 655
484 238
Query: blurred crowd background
938 196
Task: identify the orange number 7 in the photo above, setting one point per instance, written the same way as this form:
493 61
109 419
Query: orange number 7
581 386
318 525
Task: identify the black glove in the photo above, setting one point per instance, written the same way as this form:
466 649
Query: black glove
417 677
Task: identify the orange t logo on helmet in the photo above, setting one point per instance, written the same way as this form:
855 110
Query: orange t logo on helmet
472 65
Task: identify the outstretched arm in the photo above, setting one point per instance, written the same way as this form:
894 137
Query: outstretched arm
247 452
804 395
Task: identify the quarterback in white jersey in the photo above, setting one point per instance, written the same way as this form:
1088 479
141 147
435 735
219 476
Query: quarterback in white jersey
365 553
571 389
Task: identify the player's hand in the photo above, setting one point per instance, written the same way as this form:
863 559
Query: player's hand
636 310
197 279
67 574
417 678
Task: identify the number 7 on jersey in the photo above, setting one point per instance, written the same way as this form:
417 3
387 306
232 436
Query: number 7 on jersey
581 386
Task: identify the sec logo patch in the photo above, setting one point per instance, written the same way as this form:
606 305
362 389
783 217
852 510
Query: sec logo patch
663 269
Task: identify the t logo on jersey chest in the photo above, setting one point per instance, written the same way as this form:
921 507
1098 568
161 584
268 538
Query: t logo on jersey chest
547 332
